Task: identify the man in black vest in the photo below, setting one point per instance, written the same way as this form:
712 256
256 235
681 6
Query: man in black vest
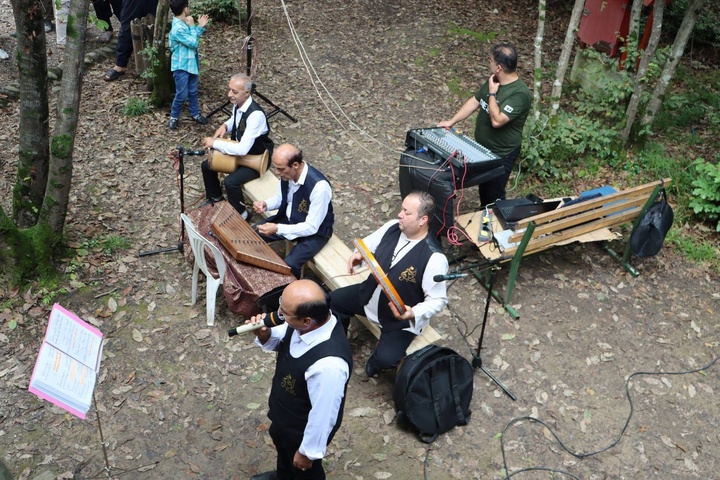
410 259
249 135
304 203
313 367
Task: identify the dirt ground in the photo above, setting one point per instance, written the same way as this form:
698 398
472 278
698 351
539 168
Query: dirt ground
178 399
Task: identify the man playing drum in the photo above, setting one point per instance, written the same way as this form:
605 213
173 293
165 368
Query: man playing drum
249 135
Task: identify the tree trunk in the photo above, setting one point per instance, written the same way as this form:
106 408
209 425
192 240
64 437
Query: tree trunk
628 60
57 194
537 74
163 83
678 48
34 113
634 24
565 55
634 103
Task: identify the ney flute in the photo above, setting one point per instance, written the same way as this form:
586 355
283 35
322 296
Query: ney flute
272 319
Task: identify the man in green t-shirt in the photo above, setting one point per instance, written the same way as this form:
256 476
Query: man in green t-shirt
503 103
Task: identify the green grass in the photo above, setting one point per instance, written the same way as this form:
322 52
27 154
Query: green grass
134 107
114 244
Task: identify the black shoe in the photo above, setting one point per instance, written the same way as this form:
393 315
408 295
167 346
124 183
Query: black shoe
370 371
272 475
49 26
201 120
173 125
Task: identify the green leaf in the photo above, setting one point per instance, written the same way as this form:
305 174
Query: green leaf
12 324
508 336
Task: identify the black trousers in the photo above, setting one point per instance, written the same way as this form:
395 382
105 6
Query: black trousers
495 188
105 9
233 184
390 350
286 448
131 9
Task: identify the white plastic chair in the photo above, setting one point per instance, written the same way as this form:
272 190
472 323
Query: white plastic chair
198 243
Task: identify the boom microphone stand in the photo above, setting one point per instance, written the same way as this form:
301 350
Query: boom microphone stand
225 107
477 360
181 152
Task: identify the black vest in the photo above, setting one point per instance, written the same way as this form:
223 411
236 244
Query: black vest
301 203
262 142
406 276
289 399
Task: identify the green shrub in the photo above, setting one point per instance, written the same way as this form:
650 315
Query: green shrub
135 107
706 195
223 11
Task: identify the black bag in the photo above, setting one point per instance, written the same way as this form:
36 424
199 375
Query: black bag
433 390
648 236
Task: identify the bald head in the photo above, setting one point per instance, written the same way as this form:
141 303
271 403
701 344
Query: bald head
287 161
306 299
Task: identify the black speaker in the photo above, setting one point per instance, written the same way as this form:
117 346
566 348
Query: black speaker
418 171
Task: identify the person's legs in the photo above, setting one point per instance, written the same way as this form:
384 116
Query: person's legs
192 91
48 7
61 19
286 447
234 186
495 189
182 88
103 11
305 249
211 181
345 302
390 350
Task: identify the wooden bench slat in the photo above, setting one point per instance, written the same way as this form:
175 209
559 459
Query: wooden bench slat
584 221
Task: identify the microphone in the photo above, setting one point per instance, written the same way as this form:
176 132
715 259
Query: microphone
449 276
272 319
198 152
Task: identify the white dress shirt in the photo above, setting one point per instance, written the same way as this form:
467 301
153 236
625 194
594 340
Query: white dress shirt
320 198
435 292
326 380
255 125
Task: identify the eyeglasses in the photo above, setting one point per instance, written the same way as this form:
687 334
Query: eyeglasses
282 315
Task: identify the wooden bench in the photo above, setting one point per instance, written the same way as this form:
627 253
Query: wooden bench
330 263
586 221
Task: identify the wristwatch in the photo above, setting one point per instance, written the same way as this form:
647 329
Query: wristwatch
492 94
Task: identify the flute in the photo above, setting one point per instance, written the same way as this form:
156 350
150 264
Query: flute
272 319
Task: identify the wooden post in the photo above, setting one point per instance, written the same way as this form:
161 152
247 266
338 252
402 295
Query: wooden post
141 30
136 33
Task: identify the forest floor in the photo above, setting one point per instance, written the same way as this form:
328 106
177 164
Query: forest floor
181 400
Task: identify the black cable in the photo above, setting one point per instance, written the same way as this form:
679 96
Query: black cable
589 454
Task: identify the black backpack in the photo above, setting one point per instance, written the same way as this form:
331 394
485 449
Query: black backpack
648 236
433 390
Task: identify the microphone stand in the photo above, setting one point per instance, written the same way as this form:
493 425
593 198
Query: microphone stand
181 172
275 108
477 360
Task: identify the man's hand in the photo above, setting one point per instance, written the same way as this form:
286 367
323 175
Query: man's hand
301 462
203 20
267 228
408 315
493 84
259 206
208 142
355 260
221 131
189 21
445 124
263 333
